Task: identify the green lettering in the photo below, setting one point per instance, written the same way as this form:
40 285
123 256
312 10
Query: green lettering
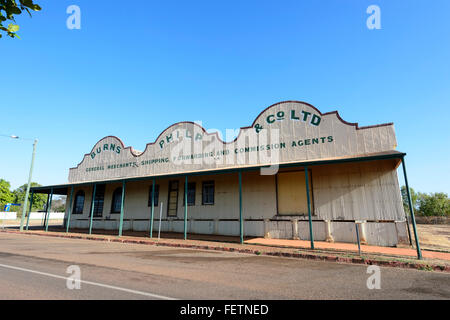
315 121
305 115
280 115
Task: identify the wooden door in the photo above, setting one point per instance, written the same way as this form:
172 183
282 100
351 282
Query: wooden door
173 199
291 193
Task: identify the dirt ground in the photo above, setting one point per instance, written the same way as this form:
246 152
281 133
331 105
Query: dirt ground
434 236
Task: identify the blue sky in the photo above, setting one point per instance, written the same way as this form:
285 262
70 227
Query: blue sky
137 67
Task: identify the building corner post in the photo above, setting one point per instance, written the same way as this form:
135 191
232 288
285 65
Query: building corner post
153 209
241 221
309 208
92 208
49 207
69 209
185 206
411 210
122 202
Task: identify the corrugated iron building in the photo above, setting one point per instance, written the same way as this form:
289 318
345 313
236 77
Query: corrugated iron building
293 172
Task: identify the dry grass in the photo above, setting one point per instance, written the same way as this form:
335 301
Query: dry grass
434 236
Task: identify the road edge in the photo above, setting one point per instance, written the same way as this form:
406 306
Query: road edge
335 257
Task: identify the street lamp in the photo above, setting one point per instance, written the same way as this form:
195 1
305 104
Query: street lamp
25 203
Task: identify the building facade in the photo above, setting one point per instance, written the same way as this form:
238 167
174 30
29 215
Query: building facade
295 172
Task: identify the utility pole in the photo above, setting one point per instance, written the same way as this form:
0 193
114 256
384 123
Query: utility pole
24 209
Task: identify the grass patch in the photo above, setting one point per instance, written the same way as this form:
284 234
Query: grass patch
426 268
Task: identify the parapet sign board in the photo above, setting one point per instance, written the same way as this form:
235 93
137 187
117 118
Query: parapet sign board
285 132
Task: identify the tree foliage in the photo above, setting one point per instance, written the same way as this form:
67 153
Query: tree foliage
59 205
39 200
6 196
17 196
424 204
11 8
434 204
405 198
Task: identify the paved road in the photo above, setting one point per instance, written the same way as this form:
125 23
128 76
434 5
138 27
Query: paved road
34 267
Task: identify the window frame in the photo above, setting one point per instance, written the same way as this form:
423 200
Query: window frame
193 190
98 213
116 193
204 185
79 194
149 202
